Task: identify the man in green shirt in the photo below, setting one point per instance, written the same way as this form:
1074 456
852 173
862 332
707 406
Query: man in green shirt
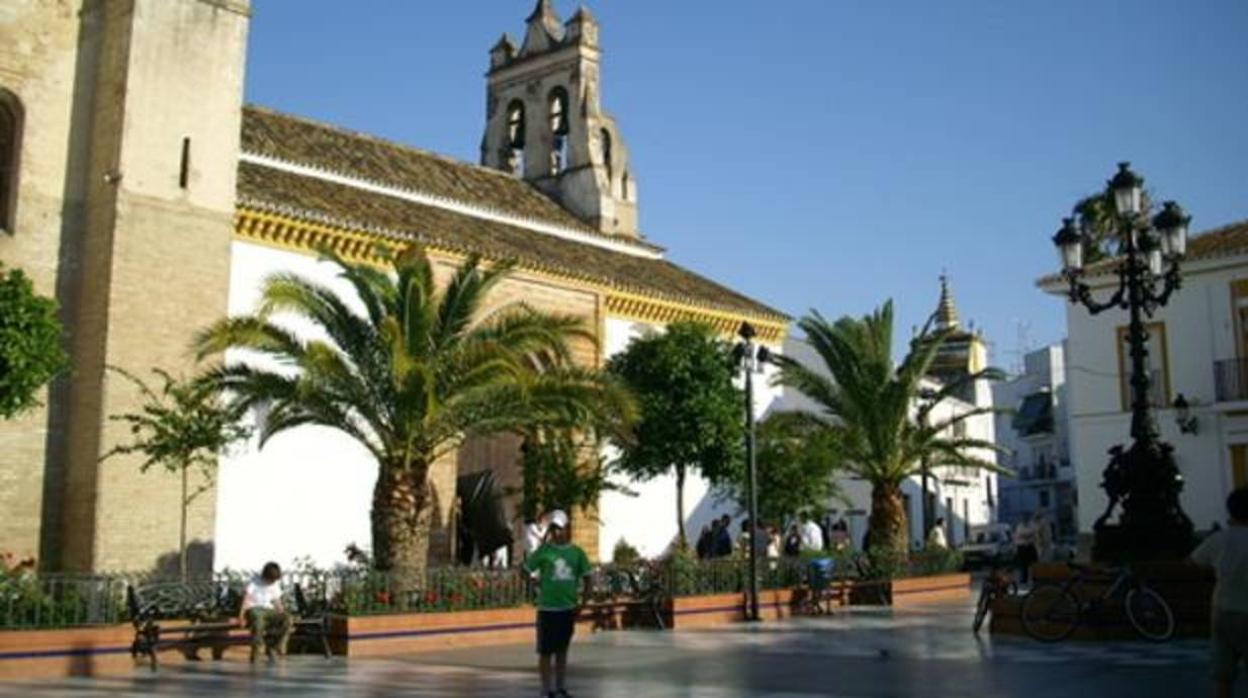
559 567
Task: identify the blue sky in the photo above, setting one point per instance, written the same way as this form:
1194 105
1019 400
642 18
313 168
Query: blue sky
828 154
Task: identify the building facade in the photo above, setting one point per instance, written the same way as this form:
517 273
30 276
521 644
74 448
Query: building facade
1198 348
151 202
1035 445
963 497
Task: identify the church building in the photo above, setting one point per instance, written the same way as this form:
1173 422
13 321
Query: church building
137 189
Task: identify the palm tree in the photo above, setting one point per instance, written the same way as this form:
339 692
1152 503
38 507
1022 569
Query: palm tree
869 405
410 371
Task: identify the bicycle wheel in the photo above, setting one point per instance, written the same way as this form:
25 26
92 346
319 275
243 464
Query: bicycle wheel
981 609
1149 614
1050 613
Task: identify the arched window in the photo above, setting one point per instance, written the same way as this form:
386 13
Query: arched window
515 125
624 180
557 110
606 153
10 146
558 104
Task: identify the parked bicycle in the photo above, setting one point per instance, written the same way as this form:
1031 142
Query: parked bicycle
1052 612
996 585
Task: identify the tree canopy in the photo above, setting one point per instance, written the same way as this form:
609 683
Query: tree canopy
30 343
691 415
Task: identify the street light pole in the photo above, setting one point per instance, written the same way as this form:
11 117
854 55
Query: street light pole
749 362
1143 478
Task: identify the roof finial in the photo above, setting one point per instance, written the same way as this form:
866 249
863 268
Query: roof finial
544 12
946 311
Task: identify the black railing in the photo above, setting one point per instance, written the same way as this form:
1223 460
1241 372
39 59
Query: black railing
1230 379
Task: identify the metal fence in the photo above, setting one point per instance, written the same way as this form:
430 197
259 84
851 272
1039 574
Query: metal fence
65 601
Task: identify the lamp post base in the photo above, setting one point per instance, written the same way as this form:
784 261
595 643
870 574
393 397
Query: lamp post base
1152 525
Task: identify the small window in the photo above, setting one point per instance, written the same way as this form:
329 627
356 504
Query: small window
558 106
624 186
1044 499
10 146
606 152
515 125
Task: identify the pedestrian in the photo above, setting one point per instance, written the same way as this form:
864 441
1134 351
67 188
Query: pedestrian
812 535
793 542
1025 548
534 534
839 540
936 536
1226 552
703 546
560 567
263 613
722 546
1044 537
773 542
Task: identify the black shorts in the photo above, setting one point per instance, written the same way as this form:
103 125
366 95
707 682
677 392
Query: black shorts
554 631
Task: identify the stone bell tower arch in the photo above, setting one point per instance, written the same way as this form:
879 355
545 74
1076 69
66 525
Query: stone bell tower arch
545 122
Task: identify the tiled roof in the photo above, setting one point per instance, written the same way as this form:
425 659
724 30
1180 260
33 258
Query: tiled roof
1225 241
324 200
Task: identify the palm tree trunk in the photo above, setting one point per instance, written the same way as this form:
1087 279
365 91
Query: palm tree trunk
182 524
888 524
681 541
400 525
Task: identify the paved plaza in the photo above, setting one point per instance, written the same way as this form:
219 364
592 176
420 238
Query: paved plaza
856 654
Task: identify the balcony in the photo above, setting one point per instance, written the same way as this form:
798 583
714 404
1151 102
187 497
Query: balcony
1230 380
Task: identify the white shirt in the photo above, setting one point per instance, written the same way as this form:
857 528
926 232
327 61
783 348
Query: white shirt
534 533
812 536
936 538
1227 553
261 595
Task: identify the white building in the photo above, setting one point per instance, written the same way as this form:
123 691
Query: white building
1198 348
555 194
1035 442
963 497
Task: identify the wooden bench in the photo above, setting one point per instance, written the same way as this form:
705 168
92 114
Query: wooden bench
619 592
193 615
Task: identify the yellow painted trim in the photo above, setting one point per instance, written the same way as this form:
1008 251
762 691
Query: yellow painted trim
296 235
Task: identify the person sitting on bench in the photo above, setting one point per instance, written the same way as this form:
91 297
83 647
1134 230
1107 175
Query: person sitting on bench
263 613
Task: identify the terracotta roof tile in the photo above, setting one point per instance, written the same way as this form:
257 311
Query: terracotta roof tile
354 208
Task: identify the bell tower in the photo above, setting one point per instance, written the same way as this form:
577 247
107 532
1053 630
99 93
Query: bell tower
545 123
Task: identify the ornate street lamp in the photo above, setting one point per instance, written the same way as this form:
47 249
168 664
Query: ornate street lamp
1143 478
751 357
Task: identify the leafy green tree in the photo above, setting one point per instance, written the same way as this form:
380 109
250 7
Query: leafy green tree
561 471
797 460
410 371
692 416
181 427
872 409
30 343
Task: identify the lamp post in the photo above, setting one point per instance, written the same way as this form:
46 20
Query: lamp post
1143 478
928 396
751 357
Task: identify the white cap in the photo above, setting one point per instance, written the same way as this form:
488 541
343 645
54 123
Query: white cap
558 518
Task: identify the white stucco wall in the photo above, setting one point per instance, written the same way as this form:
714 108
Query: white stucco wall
973 494
1200 330
309 491
648 520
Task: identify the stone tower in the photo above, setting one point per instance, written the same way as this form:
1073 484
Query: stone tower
545 123
124 210
964 353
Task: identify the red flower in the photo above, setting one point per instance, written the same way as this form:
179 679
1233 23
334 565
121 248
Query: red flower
431 598
383 597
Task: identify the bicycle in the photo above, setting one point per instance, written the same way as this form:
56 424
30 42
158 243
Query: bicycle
996 585
1052 612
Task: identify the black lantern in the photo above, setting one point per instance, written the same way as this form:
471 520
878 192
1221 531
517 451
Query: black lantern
1069 246
1171 226
1128 189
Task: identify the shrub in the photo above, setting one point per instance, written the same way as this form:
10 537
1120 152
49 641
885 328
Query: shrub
625 554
